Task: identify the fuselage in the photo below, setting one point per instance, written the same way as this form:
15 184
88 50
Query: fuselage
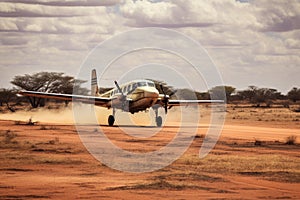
141 95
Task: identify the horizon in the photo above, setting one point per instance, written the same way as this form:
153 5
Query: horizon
112 85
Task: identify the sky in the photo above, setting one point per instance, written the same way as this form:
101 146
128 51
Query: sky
251 42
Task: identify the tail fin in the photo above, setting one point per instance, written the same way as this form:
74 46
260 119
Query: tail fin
94 84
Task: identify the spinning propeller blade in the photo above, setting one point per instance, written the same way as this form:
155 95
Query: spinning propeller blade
117 85
165 100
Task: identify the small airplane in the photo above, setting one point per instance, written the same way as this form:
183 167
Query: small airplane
135 96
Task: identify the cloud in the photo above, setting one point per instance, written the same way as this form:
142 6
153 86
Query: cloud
67 3
292 43
285 24
278 16
266 16
188 13
8 25
40 11
51 35
54 20
12 41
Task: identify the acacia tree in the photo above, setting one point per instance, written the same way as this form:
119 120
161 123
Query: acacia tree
222 92
294 94
186 94
6 97
258 96
53 82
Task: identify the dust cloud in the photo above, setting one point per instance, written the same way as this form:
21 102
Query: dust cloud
65 115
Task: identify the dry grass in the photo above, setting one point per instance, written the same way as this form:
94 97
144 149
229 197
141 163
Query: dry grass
155 185
266 165
279 116
8 137
162 184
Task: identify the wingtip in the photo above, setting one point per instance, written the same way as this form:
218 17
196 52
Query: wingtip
19 93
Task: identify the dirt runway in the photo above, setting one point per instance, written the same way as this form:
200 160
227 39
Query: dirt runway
48 161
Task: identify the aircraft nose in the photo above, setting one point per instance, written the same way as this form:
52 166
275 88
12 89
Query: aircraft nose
151 93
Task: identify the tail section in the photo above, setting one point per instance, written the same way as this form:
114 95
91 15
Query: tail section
94 84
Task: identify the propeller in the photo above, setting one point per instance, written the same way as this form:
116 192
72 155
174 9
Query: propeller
120 90
172 93
130 91
117 85
166 98
123 96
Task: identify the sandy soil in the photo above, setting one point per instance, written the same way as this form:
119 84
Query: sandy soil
250 161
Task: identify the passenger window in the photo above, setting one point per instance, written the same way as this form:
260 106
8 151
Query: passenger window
135 85
128 88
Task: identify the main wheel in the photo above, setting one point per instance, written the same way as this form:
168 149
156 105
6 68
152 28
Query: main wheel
111 120
158 121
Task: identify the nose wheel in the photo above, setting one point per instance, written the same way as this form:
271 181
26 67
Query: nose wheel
111 118
158 121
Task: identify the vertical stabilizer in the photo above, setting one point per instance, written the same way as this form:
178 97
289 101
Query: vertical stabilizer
94 84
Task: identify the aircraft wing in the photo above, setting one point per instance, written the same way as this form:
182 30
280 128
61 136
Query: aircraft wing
172 102
191 102
100 101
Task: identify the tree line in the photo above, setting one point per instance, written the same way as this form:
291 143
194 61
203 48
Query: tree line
54 82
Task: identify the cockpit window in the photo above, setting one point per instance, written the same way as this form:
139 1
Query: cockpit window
141 84
146 83
150 84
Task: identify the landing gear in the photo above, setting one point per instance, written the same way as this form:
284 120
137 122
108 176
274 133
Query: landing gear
111 118
158 121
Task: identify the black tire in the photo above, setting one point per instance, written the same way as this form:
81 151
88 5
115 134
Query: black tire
111 120
158 121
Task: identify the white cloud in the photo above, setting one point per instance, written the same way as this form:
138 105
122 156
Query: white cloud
189 13
143 12
8 25
292 43
69 3
279 16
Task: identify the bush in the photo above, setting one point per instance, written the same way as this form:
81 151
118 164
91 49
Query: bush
43 127
291 140
297 109
55 141
257 142
9 136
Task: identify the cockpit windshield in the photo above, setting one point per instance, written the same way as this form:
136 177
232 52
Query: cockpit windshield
141 84
145 83
150 84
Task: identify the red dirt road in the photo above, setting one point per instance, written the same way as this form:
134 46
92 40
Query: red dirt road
48 161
